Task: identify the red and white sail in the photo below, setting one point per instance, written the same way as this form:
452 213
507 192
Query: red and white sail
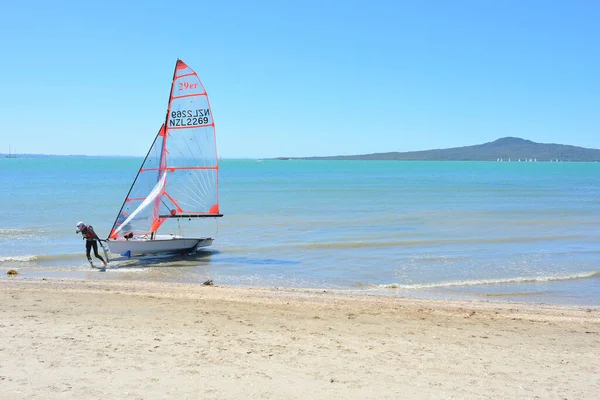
179 176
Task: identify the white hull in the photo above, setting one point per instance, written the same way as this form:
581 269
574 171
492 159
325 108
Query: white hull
162 244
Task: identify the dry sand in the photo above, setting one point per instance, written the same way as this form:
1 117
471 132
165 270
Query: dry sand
105 340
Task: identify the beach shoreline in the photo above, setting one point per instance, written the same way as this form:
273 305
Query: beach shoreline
106 339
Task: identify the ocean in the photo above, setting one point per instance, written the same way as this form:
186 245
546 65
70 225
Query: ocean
495 231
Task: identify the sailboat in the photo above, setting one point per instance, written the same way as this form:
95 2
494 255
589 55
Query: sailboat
10 154
178 178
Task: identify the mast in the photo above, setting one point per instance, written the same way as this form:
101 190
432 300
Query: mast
162 164
163 158
170 98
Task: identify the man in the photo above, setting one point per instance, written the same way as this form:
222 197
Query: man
90 241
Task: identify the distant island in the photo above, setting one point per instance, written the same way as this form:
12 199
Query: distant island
504 149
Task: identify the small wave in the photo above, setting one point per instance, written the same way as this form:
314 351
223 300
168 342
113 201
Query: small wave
18 259
41 258
18 230
433 285
22 232
512 294
438 259
59 257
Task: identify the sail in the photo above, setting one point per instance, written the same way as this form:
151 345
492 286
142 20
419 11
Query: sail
179 176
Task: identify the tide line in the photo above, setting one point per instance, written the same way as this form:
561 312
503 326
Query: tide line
433 285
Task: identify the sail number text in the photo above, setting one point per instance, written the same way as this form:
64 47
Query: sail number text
189 117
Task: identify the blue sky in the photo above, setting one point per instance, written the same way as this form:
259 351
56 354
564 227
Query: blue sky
289 78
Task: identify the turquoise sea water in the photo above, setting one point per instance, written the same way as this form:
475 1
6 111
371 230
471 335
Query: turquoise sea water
517 231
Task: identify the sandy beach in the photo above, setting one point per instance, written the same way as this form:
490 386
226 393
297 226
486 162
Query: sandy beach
103 340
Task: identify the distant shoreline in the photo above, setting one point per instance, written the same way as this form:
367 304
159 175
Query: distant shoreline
501 150
508 149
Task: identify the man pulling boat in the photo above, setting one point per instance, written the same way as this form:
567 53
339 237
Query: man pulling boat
91 239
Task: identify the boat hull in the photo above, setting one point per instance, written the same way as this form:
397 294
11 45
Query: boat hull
159 245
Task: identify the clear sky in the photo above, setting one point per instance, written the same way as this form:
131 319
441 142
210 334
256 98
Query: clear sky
301 78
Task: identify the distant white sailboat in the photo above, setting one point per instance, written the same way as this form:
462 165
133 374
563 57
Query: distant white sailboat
10 154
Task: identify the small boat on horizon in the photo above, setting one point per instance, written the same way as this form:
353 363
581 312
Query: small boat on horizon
10 154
